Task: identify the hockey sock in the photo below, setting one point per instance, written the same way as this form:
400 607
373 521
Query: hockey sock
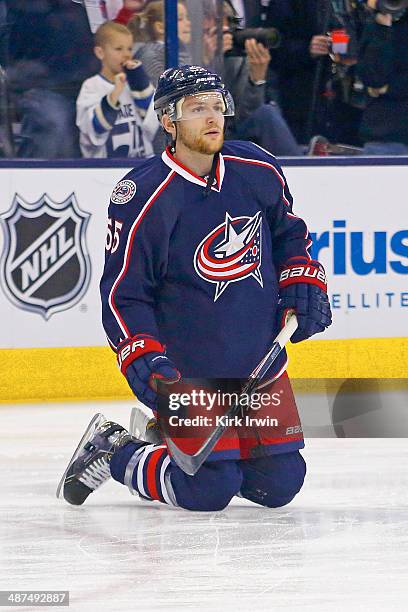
144 469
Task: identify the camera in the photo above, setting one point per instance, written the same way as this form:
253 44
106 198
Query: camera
269 37
395 8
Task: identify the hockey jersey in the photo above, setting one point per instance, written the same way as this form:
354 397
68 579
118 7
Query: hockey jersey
127 130
196 268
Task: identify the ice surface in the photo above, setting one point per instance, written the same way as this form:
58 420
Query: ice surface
342 544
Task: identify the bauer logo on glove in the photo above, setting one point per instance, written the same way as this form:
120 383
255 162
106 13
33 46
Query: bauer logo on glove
143 361
136 347
305 274
303 288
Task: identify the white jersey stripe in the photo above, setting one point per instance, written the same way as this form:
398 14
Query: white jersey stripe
128 249
190 176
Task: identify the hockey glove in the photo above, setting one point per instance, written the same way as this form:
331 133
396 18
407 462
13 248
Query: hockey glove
303 288
142 360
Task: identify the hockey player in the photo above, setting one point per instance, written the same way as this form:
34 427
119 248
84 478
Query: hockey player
115 113
204 257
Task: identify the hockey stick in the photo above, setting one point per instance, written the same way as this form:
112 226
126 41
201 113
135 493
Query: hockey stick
190 464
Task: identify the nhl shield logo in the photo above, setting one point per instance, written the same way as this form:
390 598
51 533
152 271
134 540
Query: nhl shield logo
45 266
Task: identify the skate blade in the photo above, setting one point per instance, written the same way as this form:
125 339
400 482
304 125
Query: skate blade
90 430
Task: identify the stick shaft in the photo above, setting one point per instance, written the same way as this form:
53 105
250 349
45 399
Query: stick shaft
190 464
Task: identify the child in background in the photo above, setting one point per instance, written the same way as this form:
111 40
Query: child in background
115 112
148 31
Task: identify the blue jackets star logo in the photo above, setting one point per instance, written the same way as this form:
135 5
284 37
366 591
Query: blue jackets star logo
231 252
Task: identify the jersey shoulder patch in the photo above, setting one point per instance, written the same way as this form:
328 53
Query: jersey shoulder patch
139 183
123 191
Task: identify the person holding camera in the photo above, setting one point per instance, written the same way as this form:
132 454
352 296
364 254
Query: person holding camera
246 65
292 66
383 68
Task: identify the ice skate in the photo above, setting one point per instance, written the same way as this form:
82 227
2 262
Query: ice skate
89 468
144 426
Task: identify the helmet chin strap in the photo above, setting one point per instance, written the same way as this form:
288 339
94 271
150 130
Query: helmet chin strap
173 141
169 138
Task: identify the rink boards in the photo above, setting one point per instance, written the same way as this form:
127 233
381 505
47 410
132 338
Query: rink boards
52 236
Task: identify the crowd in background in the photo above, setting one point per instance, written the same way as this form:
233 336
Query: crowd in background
77 78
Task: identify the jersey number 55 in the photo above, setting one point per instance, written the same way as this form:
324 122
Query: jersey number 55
113 235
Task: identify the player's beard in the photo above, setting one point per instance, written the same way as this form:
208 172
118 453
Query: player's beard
199 144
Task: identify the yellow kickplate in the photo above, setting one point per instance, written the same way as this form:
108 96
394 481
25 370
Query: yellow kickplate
90 373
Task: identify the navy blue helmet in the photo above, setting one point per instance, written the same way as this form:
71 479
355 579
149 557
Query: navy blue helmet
177 83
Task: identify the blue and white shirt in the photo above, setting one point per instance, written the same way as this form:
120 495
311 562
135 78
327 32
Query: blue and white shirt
125 130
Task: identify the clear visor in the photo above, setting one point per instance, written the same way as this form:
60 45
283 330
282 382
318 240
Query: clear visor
215 103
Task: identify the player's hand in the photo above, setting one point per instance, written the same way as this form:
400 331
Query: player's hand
303 288
143 361
384 19
258 59
119 82
319 45
376 92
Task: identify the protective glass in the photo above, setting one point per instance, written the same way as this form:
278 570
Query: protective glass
216 103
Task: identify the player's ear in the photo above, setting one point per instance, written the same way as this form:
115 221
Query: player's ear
99 52
168 124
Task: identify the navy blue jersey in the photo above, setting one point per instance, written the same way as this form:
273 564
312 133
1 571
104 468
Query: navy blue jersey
200 271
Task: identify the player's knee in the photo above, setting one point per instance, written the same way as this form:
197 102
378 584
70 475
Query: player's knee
211 489
275 480
289 473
